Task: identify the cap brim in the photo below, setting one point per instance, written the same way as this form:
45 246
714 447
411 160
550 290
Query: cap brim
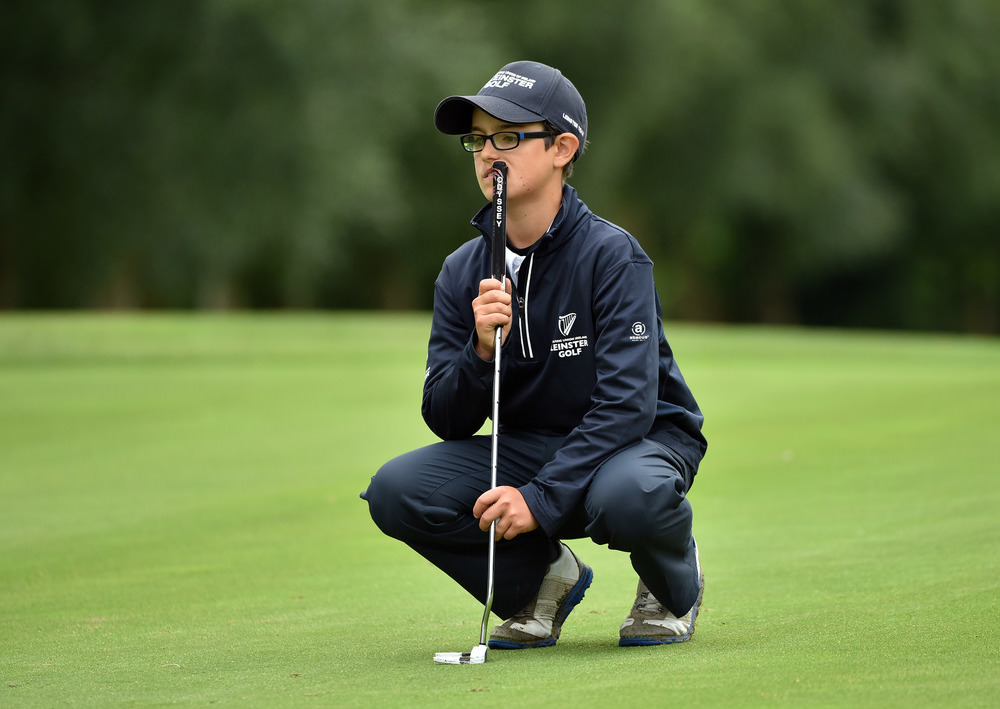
454 115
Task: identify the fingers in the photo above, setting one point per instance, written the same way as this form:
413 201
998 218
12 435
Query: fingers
492 310
505 506
493 303
489 285
484 502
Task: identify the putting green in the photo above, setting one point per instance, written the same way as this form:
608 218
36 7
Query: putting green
180 524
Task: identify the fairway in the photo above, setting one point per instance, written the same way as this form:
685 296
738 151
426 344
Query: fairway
180 524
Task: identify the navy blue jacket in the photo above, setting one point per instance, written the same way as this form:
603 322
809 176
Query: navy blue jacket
586 357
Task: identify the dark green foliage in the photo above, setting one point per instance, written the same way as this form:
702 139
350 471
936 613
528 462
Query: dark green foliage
811 162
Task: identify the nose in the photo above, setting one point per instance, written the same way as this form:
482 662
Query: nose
489 153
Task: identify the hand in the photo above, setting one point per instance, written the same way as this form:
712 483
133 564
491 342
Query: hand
492 309
506 505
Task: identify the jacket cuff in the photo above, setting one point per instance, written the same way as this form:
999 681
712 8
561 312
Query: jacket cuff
535 499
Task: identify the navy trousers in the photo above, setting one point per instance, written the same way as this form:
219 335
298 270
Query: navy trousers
636 502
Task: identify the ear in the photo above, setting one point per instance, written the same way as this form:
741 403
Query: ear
565 146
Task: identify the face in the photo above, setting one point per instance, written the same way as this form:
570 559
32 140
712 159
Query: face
531 168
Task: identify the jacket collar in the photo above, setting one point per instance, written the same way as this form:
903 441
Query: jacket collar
571 211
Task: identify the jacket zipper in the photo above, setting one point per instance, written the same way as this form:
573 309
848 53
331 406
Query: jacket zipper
524 332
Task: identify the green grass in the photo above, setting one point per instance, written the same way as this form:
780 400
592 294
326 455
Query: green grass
180 524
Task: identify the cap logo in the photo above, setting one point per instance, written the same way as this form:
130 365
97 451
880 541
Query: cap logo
503 79
573 123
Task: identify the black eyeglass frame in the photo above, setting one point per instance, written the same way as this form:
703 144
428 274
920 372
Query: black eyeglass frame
467 139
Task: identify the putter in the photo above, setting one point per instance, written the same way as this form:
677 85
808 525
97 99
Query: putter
477 655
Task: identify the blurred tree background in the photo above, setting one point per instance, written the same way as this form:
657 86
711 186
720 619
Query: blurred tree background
820 162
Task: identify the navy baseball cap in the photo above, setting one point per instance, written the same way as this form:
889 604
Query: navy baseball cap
521 92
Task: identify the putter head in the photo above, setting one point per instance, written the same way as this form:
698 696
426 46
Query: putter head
476 656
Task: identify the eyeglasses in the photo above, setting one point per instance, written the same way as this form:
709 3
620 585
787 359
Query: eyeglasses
504 140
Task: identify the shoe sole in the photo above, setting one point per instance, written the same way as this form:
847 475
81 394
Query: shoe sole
573 598
668 639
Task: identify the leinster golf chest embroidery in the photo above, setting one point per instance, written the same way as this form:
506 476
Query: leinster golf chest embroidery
568 345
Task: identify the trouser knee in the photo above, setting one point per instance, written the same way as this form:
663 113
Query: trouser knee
421 495
385 495
639 501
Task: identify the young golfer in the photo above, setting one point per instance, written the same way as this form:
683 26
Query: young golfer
600 436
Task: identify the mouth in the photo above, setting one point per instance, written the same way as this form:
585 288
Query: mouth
488 171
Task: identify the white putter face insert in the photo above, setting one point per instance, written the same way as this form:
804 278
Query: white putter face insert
476 657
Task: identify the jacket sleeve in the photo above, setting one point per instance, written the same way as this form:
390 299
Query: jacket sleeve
458 384
623 401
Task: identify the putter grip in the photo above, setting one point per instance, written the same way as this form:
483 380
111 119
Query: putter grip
499 241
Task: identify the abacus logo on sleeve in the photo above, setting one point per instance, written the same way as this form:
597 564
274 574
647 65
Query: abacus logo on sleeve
638 332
